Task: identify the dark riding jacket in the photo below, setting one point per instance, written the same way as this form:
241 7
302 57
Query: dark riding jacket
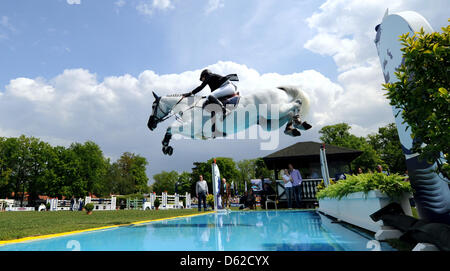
214 81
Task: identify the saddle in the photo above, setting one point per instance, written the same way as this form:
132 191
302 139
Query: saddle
231 99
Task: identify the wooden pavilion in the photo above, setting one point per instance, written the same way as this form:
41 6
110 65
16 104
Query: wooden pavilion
305 156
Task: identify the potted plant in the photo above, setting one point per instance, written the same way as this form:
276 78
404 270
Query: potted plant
156 203
210 200
47 206
353 200
89 207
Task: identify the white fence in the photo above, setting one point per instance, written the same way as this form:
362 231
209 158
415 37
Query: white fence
105 204
171 201
101 204
11 205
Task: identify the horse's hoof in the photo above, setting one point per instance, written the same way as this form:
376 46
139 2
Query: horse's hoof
306 125
292 132
164 149
169 150
296 132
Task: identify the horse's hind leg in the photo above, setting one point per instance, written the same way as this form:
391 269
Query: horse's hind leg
291 131
301 125
297 122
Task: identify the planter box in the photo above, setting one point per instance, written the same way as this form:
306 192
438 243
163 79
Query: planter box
356 208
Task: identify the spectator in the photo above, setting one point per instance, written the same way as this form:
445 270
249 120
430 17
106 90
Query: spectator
287 179
380 170
359 171
225 193
406 175
201 190
72 203
242 200
296 184
248 200
340 176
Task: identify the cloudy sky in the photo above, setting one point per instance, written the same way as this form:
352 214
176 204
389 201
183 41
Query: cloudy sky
78 70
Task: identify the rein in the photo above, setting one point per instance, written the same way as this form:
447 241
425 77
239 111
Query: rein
173 114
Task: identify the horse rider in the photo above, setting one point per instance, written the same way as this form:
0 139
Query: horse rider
221 88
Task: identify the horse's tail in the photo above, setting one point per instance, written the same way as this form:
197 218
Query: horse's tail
298 95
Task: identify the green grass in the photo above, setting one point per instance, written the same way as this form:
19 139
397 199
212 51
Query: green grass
14 225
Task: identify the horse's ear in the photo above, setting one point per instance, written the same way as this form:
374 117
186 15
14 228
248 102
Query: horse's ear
154 95
386 13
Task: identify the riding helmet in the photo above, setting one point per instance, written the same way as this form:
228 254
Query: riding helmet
205 73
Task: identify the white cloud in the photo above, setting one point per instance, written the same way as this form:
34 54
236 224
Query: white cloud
147 7
6 28
120 3
73 2
4 22
214 5
162 4
345 28
34 90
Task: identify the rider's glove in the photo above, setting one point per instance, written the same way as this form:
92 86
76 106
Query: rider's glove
187 94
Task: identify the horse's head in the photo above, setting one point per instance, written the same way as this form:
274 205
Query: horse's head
157 113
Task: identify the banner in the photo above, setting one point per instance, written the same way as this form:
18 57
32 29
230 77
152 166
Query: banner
324 166
215 183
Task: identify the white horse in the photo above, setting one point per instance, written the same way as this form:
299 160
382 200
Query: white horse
269 108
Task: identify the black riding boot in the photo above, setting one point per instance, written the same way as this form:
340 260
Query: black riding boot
213 100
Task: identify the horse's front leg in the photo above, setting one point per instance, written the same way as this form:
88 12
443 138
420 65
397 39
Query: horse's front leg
167 137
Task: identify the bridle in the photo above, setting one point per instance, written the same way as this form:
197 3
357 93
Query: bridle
166 114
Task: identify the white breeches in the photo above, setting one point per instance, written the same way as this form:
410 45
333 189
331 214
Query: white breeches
226 89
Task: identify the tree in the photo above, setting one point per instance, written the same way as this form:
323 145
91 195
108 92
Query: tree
39 153
19 161
339 135
165 181
5 170
422 94
92 165
261 169
387 144
125 176
246 172
185 183
63 177
133 166
116 182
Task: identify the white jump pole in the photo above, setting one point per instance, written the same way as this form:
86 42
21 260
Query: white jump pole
177 201
164 199
188 201
113 203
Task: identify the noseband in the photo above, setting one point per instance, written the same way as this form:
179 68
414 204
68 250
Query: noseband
166 114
